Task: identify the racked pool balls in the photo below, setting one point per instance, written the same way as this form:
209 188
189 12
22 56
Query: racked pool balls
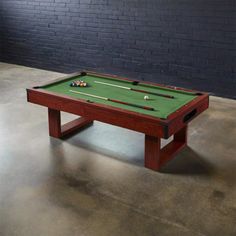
78 83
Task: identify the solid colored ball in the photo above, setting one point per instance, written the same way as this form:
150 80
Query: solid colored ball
146 97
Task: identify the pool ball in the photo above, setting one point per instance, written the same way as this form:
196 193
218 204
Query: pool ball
78 83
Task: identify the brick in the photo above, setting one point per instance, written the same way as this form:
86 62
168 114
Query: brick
183 43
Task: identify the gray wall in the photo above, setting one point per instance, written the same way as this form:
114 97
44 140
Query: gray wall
189 43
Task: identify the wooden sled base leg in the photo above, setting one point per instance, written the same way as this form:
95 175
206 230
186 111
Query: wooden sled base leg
155 157
57 130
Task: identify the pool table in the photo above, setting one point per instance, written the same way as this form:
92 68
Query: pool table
120 101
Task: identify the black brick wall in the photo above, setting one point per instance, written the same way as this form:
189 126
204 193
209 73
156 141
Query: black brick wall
189 43
1 31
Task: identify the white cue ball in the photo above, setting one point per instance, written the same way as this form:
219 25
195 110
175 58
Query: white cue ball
146 97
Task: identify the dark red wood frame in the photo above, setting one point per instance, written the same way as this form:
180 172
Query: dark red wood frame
153 128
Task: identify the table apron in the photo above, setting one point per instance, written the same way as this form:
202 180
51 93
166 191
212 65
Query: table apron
100 113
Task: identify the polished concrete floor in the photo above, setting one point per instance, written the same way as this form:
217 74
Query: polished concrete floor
94 183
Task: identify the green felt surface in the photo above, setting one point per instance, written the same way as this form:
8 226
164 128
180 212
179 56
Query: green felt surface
163 107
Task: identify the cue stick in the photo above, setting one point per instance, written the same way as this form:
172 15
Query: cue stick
136 90
114 100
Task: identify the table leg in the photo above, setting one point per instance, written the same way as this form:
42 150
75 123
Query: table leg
152 152
57 130
155 157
